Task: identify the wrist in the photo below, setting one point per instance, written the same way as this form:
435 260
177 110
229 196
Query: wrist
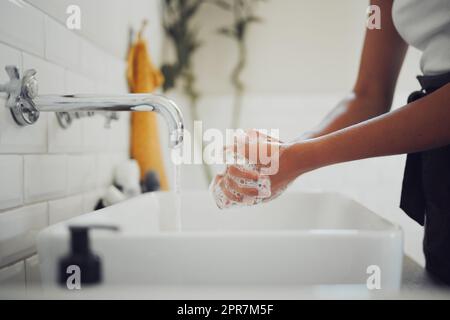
302 156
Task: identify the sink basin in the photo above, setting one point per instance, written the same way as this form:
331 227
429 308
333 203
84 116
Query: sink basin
300 239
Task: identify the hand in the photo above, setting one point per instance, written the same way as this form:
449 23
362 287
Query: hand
263 167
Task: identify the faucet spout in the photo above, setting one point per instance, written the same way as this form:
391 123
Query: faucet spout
26 105
118 103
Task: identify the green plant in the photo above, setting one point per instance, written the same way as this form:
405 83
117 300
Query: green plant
177 16
243 16
177 24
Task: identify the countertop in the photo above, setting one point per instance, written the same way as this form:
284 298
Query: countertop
416 284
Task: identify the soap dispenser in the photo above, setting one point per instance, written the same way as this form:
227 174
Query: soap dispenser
81 256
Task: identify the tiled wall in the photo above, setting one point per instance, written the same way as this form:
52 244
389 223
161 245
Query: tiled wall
48 174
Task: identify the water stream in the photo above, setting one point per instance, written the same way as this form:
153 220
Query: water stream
177 190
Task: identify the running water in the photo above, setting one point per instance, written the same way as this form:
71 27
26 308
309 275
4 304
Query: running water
177 188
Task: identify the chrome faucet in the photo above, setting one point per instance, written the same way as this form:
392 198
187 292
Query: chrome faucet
25 103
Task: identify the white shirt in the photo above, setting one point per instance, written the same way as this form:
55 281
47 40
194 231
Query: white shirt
425 25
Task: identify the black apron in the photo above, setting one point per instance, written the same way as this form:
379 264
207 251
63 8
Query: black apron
426 192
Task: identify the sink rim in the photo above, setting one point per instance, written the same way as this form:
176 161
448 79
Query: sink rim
61 229
57 230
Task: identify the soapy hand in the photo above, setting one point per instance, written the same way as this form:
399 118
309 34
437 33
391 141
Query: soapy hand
260 170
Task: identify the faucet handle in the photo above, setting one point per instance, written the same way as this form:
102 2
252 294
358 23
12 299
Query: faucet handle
13 72
12 88
26 86
21 92
30 85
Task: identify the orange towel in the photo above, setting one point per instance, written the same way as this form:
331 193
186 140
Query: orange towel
144 77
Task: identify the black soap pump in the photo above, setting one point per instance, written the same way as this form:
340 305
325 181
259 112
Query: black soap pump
151 182
81 257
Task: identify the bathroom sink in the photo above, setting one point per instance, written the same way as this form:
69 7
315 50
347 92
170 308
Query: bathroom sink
300 239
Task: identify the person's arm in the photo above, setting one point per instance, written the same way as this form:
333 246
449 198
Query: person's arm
418 126
382 57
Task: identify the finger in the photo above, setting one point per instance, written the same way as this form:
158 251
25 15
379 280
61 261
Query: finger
256 135
229 156
215 181
249 201
256 147
236 149
228 193
240 142
242 174
253 192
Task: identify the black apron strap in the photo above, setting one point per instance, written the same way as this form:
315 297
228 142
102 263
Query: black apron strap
413 198
426 192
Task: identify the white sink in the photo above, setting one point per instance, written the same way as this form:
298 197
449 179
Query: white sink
299 239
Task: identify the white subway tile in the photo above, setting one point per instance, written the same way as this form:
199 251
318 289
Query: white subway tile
116 78
95 135
92 59
103 87
54 8
13 138
32 272
118 158
17 139
114 35
115 160
81 173
45 177
22 26
12 277
62 45
119 136
64 209
8 56
11 181
36 137
90 199
49 76
93 18
78 84
64 140
104 170
18 230
71 139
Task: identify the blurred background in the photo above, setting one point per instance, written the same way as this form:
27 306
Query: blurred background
301 57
